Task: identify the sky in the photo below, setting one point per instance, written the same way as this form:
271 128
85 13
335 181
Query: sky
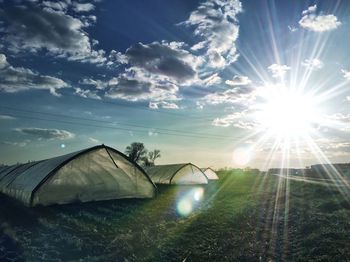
216 83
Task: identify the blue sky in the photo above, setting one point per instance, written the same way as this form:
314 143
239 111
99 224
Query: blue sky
190 78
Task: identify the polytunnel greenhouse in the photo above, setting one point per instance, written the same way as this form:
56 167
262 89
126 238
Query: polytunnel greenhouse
210 173
184 174
92 174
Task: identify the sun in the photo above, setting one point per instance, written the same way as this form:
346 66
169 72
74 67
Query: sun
287 112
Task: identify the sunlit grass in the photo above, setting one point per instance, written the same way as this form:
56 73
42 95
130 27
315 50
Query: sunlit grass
242 216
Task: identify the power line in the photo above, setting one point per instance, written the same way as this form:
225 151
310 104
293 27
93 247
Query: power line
114 128
109 122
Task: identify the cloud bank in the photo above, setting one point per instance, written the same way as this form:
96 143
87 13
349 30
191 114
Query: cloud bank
49 28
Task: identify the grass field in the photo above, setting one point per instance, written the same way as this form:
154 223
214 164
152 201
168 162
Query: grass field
241 217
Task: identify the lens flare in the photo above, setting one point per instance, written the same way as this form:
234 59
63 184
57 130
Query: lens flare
198 193
184 207
242 155
189 201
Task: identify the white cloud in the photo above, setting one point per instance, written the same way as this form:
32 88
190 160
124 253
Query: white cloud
334 147
15 79
236 119
339 117
292 28
228 120
337 121
59 5
86 7
311 9
87 93
199 105
48 134
216 24
167 61
98 84
89 20
156 71
216 60
213 79
137 84
17 143
94 140
31 28
163 104
152 132
318 23
6 117
117 57
346 74
227 96
312 64
278 70
92 56
198 46
3 61
238 81
246 125
239 95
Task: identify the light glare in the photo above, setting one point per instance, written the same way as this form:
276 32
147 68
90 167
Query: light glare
287 112
184 207
198 194
242 155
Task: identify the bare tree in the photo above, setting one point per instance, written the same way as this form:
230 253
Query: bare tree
146 162
136 152
153 155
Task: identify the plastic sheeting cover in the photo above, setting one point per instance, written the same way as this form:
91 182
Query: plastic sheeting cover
93 167
210 173
94 176
184 174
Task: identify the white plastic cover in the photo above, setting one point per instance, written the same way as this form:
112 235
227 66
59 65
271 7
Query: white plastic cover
210 173
185 174
94 176
97 173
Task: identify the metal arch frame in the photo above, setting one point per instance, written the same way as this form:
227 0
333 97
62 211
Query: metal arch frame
133 162
186 164
53 172
209 168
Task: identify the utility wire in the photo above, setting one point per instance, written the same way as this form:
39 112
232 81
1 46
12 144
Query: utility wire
114 128
109 122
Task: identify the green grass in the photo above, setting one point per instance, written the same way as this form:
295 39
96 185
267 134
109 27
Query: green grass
242 217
